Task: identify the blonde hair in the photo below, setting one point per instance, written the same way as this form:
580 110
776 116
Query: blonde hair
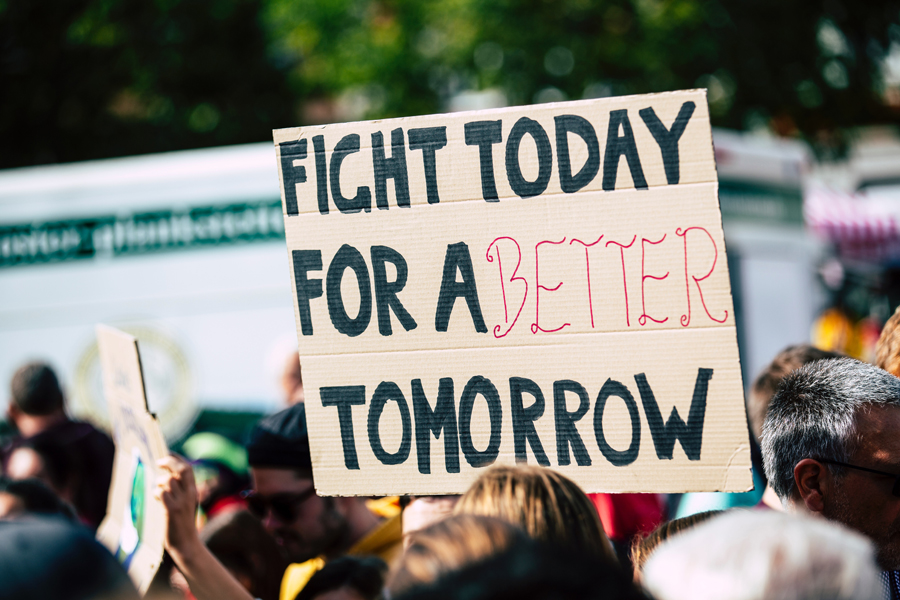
887 350
546 505
643 546
449 545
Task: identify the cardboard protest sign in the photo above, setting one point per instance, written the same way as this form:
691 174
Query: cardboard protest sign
542 284
134 527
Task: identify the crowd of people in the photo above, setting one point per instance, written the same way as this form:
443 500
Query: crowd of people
244 521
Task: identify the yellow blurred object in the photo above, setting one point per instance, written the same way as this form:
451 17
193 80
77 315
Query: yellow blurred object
387 507
297 576
832 330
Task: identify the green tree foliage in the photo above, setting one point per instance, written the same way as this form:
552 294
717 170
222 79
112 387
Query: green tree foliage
83 79
806 65
92 78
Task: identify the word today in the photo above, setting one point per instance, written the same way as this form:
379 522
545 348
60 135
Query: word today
482 136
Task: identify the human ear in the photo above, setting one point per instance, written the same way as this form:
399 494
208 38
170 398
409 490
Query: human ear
811 480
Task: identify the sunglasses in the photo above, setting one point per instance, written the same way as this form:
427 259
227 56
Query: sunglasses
284 507
895 490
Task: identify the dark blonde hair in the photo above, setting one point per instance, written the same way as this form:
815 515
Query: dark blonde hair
449 545
643 546
887 350
546 505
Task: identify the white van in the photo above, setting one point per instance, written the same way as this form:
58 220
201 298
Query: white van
184 249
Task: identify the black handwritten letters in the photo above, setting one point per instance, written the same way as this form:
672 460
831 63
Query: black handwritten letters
449 416
481 136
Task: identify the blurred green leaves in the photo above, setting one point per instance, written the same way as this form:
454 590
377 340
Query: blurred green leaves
85 79
797 67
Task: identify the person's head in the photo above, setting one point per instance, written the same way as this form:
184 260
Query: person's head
532 570
240 542
31 497
764 555
546 505
347 578
284 497
644 546
839 411
51 558
35 391
766 383
887 350
48 461
449 545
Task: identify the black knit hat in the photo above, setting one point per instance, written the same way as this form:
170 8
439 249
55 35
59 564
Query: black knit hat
281 440
52 558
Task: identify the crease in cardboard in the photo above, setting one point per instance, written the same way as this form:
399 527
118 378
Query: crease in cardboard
729 467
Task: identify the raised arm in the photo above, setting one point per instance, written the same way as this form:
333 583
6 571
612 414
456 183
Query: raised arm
206 576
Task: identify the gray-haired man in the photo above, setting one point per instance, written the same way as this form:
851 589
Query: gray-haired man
831 446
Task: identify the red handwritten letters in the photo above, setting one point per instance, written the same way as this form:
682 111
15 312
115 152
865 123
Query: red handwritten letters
692 250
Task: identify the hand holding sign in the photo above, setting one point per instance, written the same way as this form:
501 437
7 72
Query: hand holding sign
207 577
177 490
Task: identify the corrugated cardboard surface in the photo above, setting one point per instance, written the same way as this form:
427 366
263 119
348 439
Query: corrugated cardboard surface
583 285
137 436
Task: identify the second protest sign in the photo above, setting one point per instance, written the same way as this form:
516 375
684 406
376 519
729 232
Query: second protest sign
541 284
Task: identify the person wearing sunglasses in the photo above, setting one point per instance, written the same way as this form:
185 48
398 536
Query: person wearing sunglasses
831 447
310 529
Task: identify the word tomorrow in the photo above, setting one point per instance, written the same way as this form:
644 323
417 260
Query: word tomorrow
453 421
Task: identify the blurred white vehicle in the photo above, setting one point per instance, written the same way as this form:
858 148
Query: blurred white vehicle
185 250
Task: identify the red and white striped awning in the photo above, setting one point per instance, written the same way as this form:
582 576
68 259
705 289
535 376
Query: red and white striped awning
863 225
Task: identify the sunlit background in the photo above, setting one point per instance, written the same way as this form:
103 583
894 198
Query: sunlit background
138 182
